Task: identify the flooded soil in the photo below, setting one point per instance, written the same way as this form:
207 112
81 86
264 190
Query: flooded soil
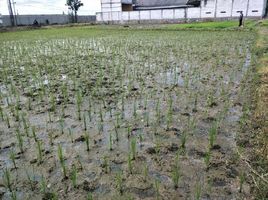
136 115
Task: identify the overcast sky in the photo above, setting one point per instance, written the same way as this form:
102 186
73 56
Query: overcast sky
49 7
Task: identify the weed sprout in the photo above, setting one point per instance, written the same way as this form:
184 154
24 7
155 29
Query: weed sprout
133 148
176 172
12 157
119 182
7 179
62 163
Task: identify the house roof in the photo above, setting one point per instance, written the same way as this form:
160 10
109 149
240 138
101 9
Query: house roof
160 7
127 1
159 3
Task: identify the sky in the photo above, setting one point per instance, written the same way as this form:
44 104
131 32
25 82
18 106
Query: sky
49 7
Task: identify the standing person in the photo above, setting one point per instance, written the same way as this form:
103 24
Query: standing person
241 19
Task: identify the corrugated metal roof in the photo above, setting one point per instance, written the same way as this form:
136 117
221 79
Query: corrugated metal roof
127 1
159 3
161 7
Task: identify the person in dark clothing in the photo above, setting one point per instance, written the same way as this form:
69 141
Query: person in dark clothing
35 23
241 19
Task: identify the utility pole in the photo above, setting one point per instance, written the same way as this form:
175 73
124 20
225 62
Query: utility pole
15 15
10 13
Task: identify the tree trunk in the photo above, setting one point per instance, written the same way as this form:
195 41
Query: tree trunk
75 16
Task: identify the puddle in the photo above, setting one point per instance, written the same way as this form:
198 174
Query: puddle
171 77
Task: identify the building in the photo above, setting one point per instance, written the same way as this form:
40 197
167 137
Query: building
139 11
28 20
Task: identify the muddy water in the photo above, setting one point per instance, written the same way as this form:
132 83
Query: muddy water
199 92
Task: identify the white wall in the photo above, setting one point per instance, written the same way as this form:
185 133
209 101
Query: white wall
116 16
256 7
99 17
208 9
111 5
156 14
168 14
224 8
145 15
106 16
212 9
193 13
134 15
53 19
239 5
180 13
125 16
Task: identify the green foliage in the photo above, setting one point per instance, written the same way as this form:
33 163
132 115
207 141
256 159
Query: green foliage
210 25
85 121
133 148
74 176
129 163
39 150
119 182
242 178
20 140
34 134
12 156
13 195
207 158
184 140
135 114
7 179
87 140
106 164
176 174
62 162
43 185
157 188
61 122
213 131
89 196
79 100
145 172
7 121
74 5
110 142
198 190
30 180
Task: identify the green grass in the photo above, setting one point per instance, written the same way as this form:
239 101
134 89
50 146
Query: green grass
259 159
53 32
212 25
112 30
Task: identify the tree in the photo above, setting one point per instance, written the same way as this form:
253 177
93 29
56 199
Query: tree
74 6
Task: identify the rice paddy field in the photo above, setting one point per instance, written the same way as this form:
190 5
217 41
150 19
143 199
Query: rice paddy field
119 113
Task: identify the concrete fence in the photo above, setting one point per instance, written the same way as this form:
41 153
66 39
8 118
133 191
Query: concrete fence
210 9
162 15
25 20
